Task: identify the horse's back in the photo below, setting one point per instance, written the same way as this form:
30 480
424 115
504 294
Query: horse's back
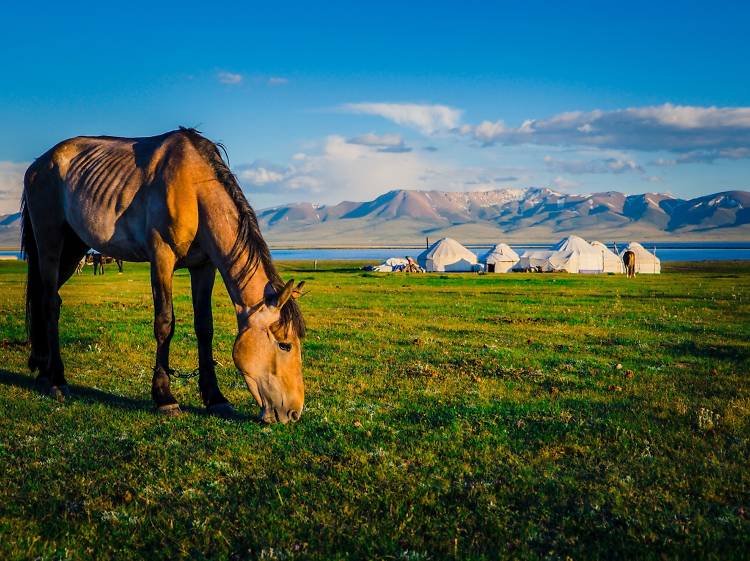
103 188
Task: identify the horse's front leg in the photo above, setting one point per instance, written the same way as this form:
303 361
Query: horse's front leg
202 284
162 269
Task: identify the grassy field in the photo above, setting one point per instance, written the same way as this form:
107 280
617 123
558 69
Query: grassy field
447 416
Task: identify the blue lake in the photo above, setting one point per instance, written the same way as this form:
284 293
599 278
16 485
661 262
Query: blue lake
666 252
380 254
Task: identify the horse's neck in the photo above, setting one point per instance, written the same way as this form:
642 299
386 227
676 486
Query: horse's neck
246 287
246 291
218 233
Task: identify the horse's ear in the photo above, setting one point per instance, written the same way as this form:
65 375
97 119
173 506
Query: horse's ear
297 292
285 294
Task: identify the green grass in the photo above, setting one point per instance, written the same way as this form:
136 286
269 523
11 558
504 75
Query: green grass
447 416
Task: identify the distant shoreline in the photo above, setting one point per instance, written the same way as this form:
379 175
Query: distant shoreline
659 245
729 244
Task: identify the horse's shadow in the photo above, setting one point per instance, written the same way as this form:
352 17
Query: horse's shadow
86 394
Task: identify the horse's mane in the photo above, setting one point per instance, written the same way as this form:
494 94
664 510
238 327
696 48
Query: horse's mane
248 232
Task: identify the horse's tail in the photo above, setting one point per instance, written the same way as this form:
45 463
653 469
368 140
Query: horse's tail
34 323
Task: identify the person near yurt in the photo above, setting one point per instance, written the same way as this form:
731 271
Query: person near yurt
499 259
611 262
645 261
447 255
572 255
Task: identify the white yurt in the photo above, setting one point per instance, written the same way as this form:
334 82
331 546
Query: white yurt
447 255
645 261
571 254
499 259
391 264
534 259
611 262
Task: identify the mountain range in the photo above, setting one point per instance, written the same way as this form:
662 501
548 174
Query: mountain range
518 215
534 214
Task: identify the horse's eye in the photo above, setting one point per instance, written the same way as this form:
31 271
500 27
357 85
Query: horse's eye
286 347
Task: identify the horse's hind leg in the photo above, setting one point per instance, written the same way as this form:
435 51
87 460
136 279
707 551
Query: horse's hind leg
58 259
70 253
50 254
37 321
202 283
162 269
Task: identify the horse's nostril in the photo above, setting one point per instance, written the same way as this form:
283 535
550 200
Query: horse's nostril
294 415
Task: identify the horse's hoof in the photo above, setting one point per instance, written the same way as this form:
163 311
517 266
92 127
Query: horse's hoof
220 409
171 410
60 392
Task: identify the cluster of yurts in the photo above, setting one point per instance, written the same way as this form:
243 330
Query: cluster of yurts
571 255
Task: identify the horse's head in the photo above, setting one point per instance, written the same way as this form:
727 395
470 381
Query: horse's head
267 352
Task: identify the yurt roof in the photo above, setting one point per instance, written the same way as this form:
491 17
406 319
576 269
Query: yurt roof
638 249
573 243
499 253
600 245
448 250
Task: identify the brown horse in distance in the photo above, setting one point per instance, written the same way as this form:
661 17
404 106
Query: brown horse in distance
98 261
170 200
628 259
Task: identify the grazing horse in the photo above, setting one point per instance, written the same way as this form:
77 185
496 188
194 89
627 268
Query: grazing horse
628 259
172 201
97 259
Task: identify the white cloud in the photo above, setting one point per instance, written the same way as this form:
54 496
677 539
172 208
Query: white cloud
229 78
706 156
429 119
487 131
304 183
11 185
665 127
338 169
664 162
384 143
565 184
277 81
696 134
691 117
372 139
653 178
258 175
341 169
601 165
470 178
710 156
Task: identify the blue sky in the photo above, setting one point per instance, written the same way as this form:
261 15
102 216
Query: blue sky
348 100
